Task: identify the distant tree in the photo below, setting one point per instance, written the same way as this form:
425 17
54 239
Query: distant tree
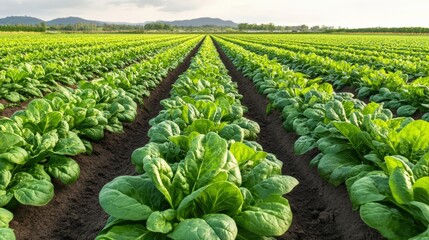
303 28
315 28
157 26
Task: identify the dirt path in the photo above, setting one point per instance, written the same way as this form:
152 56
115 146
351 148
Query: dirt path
320 211
74 213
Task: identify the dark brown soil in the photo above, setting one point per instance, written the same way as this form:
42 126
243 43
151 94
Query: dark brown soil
320 211
349 89
74 213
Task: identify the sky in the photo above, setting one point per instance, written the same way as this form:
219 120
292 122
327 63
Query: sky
337 13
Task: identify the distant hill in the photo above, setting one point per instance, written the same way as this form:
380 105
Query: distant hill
20 20
71 21
198 22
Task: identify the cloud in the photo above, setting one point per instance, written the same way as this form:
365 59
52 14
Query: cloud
41 4
41 7
164 5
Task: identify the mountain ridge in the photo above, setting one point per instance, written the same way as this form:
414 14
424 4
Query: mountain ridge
196 22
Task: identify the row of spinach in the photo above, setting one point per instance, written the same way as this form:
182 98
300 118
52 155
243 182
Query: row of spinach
414 68
383 161
22 81
390 88
202 175
36 143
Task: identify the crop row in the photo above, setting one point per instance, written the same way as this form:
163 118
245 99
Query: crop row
413 68
69 51
202 174
17 45
36 143
402 45
390 88
18 83
382 160
364 48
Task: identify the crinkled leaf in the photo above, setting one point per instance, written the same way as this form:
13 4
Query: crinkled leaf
266 218
5 218
335 167
15 155
130 198
7 234
276 185
244 153
63 168
30 191
160 221
304 144
390 222
213 227
218 197
8 140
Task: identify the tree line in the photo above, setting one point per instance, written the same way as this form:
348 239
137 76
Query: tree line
245 27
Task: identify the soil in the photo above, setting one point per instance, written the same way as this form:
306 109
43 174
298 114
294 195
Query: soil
320 211
74 213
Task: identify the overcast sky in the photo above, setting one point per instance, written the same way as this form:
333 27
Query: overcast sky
344 13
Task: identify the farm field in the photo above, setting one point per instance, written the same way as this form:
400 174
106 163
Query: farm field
224 136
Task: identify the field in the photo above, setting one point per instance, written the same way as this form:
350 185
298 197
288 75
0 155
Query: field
225 136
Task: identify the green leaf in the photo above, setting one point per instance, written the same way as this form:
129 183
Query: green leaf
161 174
95 133
5 177
244 153
421 236
114 125
420 211
304 144
130 198
421 190
336 167
390 222
413 140
206 157
63 168
260 172
15 155
38 172
71 146
267 218
406 111
218 197
355 135
212 226
36 109
130 231
232 132
5 218
30 191
400 179
7 234
8 140
202 126
421 169
160 221
371 188
161 132
49 121
276 185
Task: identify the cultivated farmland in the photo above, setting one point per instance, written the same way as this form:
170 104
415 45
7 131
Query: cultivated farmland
234 136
